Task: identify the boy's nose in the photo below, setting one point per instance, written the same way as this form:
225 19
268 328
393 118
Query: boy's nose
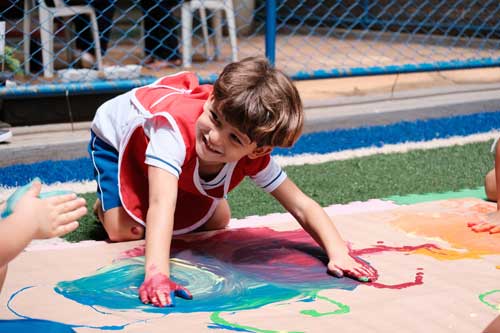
214 137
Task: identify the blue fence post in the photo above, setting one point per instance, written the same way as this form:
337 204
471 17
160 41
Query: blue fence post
271 31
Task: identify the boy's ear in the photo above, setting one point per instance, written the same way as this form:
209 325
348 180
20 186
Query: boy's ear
260 151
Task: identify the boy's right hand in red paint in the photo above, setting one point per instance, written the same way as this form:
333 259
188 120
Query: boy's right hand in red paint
160 291
490 224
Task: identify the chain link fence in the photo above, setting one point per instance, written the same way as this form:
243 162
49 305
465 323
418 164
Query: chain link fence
56 46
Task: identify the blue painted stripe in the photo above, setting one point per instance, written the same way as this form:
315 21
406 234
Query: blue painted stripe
48 171
164 162
377 136
319 143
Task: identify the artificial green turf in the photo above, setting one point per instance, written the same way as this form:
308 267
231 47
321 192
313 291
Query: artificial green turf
378 176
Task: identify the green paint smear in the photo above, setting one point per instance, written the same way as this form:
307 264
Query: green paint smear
482 297
341 310
417 198
217 319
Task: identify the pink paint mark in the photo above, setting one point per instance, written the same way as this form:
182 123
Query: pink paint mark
419 279
282 256
385 248
135 252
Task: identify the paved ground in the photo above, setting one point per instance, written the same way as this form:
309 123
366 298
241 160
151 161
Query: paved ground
329 103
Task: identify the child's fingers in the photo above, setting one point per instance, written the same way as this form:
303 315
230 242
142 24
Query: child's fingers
170 300
495 230
66 228
183 293
337 272
35 188
482 227
143 295
60 199
71 205
363 271
71 216
162 299
473 223
155 301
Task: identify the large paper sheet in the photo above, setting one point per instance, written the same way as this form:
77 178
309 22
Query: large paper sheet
267 275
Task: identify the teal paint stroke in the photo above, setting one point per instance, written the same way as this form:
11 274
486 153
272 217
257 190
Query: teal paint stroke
426 197
230 271
215 287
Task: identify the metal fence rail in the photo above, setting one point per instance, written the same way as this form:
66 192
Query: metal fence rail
51 47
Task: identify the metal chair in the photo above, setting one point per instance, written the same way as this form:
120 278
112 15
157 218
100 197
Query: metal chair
46 16
217 6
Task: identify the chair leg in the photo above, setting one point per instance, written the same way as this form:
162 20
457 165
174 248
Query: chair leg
47 39
204 28
187 28
97 42
27 35
231 22
218 32
69 52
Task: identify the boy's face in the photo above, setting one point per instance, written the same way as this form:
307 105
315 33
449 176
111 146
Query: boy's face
219 142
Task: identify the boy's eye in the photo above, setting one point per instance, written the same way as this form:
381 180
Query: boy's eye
236 139
214 116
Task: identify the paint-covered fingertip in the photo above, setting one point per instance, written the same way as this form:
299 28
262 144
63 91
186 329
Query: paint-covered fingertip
364 279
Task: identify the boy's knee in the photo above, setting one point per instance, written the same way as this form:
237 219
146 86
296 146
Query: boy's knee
120 227
490 186
124 234
220 219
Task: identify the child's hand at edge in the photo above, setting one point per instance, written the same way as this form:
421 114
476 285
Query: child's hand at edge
160 291
51 217
347 265
490 224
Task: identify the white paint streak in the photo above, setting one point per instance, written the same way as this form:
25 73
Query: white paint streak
385 149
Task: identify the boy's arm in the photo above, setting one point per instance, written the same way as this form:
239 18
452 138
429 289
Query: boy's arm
15 234
157 287
316 222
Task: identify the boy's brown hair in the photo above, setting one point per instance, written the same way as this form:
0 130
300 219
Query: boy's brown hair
260 101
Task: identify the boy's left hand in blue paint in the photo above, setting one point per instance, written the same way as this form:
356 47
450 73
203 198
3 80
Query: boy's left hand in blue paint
346 265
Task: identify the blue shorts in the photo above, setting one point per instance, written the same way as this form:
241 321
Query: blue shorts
105 160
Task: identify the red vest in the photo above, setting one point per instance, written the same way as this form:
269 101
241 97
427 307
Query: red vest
180 100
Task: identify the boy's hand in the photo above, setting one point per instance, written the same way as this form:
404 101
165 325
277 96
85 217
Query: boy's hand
491 224
351 267
160 291
52 217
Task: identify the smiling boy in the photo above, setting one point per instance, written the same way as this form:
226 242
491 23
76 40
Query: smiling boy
167 154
